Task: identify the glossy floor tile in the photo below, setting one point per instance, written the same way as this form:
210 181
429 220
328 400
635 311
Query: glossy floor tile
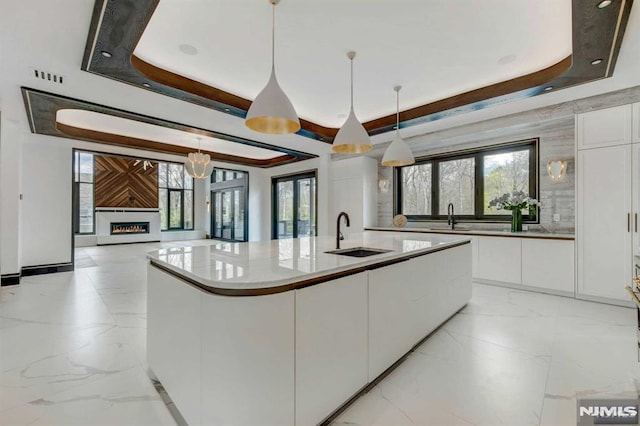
73 352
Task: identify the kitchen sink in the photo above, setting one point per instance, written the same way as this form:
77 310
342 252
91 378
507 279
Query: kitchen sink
358 251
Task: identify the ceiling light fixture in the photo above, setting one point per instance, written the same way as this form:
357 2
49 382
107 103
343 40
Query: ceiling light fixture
198 165
272 111
352 138
106 54
596 61
398 154
146 84
603 4
546 89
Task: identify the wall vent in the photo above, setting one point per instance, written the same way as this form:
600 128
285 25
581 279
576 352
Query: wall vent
48 76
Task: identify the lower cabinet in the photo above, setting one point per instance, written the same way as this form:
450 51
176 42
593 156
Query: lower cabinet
331 346
409 300
548 264
500 259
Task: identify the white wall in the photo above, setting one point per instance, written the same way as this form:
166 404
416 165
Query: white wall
10 184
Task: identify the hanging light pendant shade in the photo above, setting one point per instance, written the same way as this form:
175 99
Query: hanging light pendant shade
352 138
198 165
272 111
398 153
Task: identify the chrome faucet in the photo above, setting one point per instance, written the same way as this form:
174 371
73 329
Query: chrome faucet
451 218
339 235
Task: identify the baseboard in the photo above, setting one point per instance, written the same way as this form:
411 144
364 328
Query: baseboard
9 279
526 287
46 269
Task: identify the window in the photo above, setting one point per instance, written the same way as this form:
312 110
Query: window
84 205
468 180
175 193
229 199
294 206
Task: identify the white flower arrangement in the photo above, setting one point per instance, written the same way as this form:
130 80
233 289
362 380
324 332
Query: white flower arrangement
516 200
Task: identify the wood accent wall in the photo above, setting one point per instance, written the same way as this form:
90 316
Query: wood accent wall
119 183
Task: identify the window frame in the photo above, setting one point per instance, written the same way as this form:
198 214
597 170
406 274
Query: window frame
182 191
532 145
294 178
240 183
77 182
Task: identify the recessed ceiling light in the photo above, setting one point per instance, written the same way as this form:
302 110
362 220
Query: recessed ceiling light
146 84
188 49
596 61
548 88
106 54
603 4
227 109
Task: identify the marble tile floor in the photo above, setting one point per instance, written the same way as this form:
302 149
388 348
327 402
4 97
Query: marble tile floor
72 352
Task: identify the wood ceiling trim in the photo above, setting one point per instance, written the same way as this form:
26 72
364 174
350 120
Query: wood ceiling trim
117 27
41 108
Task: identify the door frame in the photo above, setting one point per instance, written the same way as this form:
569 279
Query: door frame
230 185
294 177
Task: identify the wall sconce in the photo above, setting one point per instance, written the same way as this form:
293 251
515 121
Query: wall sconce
383 183
556 169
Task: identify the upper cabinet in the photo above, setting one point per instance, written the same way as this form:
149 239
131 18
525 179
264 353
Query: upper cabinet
636 122
606 127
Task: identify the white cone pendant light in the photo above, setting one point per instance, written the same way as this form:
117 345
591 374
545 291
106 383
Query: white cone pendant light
398 153
352 138
272 111
198 165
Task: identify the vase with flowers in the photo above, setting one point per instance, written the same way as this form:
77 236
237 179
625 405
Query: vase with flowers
516 202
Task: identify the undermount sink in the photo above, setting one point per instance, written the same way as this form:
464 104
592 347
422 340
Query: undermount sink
358 251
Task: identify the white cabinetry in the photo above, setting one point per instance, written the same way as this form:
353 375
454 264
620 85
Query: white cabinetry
604 127
607 201
174 346
354 191
401 302
331 346
500 259
548 264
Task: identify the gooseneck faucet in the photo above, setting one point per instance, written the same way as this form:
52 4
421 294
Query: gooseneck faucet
451 219
339 235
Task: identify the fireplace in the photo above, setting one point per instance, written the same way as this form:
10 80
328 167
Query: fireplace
129 228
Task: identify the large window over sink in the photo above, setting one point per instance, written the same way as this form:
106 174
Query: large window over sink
469 180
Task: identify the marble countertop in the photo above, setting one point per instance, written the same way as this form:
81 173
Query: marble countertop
267 267
489 233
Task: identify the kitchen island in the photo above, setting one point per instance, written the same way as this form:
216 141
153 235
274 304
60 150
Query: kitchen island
281 332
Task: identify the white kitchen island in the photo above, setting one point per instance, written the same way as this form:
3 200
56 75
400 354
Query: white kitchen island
281 333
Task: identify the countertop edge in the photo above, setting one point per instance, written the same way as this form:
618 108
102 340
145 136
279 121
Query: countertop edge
525 234
297 283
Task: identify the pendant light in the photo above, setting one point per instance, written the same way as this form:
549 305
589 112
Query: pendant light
198 165
398 153
352 138
272 111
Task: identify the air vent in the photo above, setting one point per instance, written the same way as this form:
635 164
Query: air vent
47 76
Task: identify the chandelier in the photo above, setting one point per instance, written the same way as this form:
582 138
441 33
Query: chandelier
198 165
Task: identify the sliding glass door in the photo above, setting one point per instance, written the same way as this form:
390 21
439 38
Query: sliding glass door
294 206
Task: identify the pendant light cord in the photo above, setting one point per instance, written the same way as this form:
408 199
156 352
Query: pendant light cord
398 111
273 37
351 84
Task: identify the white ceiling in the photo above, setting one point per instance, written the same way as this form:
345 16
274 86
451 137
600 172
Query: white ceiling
51 35
91 120
435 49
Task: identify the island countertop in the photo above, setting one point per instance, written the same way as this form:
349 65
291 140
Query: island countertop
268 267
